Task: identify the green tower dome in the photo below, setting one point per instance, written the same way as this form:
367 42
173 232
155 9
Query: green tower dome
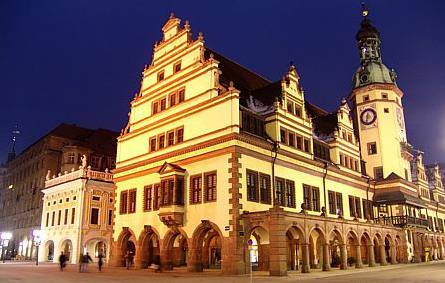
371 70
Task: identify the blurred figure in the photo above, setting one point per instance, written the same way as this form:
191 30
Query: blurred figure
129 259
62 261
84 260
100 262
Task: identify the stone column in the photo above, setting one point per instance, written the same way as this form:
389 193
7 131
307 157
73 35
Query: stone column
305 251
371 256
383 261
164 255
358 253
138 258
278 243
326 257
343 257
393 254
416 247
193 262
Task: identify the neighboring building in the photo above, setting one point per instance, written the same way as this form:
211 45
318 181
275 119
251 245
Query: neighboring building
77 215
216 161
58 151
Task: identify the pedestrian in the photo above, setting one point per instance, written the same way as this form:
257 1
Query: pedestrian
129 259
62 261
85 259
100 262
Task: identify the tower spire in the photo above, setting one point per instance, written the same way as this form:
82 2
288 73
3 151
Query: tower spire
15 132
365 10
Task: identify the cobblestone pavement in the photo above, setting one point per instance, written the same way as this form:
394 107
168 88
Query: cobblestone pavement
48 273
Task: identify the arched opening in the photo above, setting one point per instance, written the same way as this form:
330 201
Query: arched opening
67 248
295 240
399 252
150 251
206 247
175 248
97 247
127 246
49 251
316 243
352 245
259 249
388 248
365 243
379 253
335 242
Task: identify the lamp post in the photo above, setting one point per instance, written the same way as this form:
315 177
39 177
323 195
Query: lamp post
5 237
36 237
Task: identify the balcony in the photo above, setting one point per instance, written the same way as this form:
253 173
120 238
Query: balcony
402 221
172 215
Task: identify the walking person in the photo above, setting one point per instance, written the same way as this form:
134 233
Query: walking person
62 261
85 259
129 259
100 262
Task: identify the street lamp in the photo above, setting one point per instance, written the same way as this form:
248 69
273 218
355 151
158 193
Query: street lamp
5 237
37 239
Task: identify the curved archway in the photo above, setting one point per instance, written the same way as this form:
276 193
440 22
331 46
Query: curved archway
97 247
335 241
295 239
49 250
317 241
390 252
67 248
206 247
259 248
150 247
175 249
127 245
365 249
379 251
353 251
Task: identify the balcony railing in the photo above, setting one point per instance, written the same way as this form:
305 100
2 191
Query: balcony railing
402 221
81 173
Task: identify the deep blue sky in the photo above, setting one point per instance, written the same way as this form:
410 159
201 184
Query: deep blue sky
80 61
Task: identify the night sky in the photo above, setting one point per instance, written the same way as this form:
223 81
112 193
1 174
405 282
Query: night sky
80 61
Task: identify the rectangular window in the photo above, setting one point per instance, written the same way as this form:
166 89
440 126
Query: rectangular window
332 203
366 98
315 199
378 173
265 188
160 76
181 95
65 219
70 158
53 218
292 139
59 218
152 144
155 107
110 217
307 145
156 196
290 193
372 148
96 198
73 215
283 136
147 198
290 107
252 185
195 189
339 201
47 219
307 197
210 186
163 104
358 209
179 135
170 138
180 190
299 142
123 208
297 111
384 96
280 192
94 219
132 201
172 99
161 141
352 207
177 67
350 138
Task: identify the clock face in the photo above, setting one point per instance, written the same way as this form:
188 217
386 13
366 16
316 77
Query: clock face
368 116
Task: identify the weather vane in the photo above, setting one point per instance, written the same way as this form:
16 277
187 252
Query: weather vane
365 10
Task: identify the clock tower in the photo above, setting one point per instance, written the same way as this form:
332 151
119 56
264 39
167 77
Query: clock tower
378 109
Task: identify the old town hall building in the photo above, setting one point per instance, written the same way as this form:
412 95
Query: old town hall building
218 167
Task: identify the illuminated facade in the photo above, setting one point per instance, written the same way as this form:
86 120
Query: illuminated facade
219 167
59 151
77 214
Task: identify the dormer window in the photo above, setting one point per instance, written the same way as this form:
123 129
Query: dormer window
366 98
160 76
177 67
70 157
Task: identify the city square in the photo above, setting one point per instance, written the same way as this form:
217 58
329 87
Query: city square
184 146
